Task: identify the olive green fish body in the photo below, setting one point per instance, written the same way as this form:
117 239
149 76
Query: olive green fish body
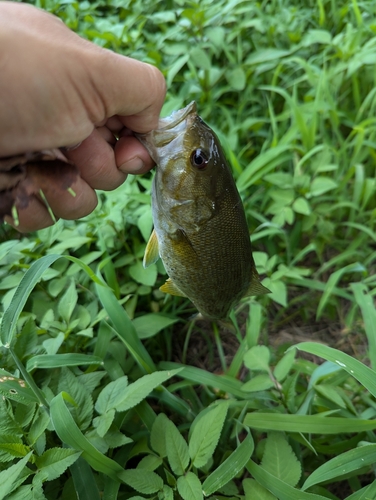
199 220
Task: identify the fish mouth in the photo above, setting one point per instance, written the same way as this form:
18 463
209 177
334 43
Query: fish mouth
168 129
176 117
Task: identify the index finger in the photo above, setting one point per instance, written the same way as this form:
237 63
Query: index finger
130 89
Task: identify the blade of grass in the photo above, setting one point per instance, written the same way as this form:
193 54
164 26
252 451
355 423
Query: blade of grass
365 302
358 370
311 424
229 468
84 480
27 283
280 489
366 493
69 433
57 360
332 282
9 476
349 461
124 328
218 382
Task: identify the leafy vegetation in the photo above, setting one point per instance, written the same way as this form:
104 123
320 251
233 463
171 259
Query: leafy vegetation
108 389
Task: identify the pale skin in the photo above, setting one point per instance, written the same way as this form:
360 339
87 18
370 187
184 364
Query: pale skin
58 90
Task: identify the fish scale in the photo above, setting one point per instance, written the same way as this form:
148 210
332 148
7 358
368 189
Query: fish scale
200 228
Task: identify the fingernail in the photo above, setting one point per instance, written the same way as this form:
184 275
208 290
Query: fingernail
132 166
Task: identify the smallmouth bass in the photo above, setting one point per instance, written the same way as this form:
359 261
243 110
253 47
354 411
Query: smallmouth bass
200 228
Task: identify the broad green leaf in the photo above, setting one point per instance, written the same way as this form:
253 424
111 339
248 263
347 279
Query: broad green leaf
284 365
27 492
301 206
257 358
200 58
268 54
177 449
189 487
104 422
316 36
349 461
254 491
110 395
149 325
150 462
54 462
145 276
82 409
216 35
39 425
175 68
5 441
321 185
59 360
168 493
260 382
228 469
67 430
10 450
206 432
331 393
145 224
27 283
278 290
32 491
312 424
366 376
71 242
115 439
280 489
9 476
158 435
280 460
139 390
143 481
8 424
52 345
16 389
68 302
236 78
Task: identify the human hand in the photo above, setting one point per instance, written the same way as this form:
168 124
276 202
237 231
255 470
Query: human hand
61 91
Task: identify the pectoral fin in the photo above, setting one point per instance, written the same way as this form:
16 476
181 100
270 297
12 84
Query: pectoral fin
152 251
256 288
171 288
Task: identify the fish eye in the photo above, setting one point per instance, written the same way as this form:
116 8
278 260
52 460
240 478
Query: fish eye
199 159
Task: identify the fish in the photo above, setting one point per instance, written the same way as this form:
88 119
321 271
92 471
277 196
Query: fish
200 227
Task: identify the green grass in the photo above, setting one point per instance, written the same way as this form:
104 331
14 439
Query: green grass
108 390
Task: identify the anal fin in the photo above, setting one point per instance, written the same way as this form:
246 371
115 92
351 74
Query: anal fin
171 288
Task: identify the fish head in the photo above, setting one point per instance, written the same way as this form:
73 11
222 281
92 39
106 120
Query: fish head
190 163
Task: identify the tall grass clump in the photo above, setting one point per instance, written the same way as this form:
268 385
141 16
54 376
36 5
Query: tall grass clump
108 390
